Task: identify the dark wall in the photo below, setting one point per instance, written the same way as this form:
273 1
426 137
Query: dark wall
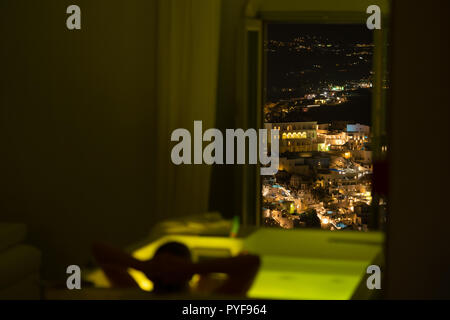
418 254
76 124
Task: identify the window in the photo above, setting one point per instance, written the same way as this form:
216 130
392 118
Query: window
321 78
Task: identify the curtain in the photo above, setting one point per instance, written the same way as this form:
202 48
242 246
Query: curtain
186 84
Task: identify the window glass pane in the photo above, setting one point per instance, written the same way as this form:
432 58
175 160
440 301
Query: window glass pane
319 92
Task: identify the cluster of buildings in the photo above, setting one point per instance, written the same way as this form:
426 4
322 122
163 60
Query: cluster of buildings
325 167
314 137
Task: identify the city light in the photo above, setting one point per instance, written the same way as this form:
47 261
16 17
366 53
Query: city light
325 164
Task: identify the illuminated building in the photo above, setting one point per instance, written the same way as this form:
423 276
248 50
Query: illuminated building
297 136
358 135
358 128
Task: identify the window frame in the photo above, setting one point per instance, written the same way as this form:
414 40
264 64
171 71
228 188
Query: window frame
379 97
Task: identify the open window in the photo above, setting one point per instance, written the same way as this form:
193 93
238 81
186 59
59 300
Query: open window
320 77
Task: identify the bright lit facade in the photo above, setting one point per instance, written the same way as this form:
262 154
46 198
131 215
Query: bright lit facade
298 136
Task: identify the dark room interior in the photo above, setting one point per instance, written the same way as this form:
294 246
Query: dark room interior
86 120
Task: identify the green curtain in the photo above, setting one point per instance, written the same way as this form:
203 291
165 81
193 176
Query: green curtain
186 85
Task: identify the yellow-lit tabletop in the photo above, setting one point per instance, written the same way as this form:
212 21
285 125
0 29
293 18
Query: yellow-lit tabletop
296 264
